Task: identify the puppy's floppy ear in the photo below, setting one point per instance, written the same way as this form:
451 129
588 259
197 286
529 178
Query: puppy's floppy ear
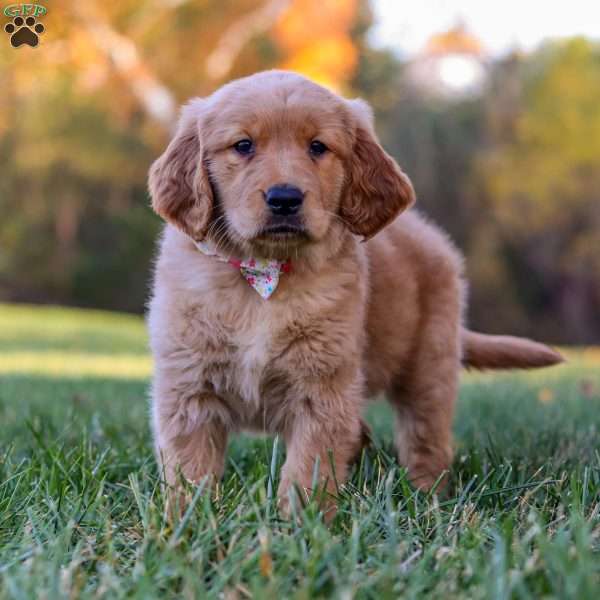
178 180
376 188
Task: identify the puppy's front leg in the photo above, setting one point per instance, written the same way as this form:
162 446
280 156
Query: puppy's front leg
196 455
190 438
325 435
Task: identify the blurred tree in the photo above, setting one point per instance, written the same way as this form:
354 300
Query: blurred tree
513 173
541 179
315 38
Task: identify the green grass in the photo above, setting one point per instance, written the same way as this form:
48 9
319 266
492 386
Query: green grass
81 508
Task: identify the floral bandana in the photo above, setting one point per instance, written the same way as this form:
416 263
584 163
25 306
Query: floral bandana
261 274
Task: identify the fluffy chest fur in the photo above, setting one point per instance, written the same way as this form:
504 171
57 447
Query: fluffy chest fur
254 355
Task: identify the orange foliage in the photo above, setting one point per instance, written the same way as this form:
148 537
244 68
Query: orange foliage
314 36
457 39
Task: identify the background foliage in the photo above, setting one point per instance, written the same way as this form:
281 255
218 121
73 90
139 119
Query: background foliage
512 172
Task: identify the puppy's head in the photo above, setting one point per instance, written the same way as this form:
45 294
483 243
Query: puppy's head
274 162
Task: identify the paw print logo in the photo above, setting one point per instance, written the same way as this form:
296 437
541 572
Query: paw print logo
24 31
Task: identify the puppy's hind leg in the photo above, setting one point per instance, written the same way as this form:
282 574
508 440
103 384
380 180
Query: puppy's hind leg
424 398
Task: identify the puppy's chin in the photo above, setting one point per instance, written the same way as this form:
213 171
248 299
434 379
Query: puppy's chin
280 242
273 242
280 237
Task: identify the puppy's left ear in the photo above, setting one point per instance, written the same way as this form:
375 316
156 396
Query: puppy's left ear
377 190
178 180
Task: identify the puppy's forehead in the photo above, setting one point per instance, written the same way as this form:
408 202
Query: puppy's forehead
278 100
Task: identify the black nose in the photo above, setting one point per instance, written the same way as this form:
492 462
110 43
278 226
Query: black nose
284 199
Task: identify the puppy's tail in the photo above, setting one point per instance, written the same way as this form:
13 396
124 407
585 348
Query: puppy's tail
505 352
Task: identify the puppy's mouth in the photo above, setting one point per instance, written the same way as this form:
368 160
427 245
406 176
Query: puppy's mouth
283 229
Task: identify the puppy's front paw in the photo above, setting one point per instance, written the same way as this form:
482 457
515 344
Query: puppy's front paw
186 493
430 472
178 499
424 481
293 500
290 500
284 507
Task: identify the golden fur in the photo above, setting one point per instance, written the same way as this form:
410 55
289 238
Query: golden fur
350 321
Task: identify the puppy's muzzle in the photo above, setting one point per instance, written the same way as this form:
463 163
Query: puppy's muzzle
284 200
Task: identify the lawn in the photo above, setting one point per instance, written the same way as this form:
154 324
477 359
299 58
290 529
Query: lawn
81 507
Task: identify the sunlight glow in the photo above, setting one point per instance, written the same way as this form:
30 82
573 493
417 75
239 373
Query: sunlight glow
460 72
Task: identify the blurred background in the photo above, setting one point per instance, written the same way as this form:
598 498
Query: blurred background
492 109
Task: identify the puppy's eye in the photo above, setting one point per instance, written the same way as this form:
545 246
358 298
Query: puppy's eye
317 148
244 147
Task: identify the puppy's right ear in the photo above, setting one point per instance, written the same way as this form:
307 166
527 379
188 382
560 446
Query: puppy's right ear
376 190
178 180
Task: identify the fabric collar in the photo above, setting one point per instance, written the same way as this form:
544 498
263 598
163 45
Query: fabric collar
261 274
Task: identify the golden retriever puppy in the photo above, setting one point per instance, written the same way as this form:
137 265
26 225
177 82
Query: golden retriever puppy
269 314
